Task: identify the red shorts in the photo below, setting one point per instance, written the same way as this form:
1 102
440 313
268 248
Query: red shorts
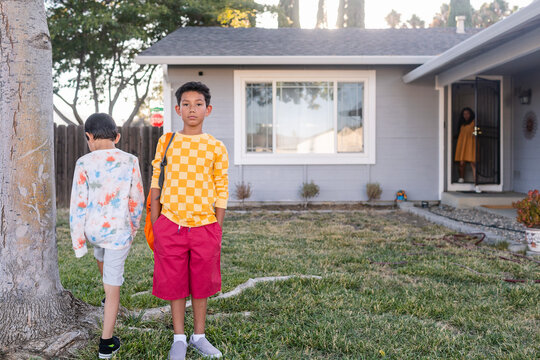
186 260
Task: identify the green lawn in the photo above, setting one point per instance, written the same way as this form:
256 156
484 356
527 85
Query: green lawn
446 302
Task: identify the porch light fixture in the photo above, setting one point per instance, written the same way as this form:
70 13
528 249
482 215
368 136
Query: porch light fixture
525 97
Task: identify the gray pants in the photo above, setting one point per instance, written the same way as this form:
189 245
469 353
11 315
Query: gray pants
113 264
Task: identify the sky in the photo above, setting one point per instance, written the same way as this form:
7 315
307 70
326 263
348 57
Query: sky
376 11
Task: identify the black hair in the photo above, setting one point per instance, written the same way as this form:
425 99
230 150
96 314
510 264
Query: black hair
101 126
462 120
193 86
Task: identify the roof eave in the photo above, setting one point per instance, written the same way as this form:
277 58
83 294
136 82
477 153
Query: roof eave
283 60
490 34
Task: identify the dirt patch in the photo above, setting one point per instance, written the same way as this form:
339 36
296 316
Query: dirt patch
317 206
406 217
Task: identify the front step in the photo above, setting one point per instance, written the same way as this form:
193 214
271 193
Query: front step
464 200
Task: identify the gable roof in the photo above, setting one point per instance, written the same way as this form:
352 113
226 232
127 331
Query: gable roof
526 21
218 45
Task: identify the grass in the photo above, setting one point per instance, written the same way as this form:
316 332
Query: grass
392 287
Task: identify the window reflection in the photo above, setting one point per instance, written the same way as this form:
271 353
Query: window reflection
259 117
304 121
350 132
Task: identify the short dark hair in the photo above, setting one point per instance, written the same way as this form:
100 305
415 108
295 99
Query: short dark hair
193 86
101 126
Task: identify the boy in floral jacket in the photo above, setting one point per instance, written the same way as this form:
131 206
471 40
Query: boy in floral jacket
107 199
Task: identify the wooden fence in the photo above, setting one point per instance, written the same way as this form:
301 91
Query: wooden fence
70 144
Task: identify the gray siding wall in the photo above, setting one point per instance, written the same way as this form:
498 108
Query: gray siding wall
507 133
526 169
406 150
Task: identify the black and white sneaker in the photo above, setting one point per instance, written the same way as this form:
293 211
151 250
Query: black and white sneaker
108 347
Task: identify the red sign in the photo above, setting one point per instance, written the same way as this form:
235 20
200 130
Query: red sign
156 120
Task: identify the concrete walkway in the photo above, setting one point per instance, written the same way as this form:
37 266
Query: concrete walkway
462 200
506 212
491 237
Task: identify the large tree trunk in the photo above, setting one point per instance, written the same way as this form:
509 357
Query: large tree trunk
34 304
355 13
340 21
322 21
350 14
289 15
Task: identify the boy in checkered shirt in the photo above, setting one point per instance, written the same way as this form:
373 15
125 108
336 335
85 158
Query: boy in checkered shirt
187 217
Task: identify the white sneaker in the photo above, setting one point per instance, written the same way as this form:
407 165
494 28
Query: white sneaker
477 189
203 347
178 351
461 180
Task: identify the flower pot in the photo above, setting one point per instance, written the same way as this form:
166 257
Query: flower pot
532 235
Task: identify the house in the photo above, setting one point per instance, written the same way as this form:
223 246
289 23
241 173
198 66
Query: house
497 71
347 107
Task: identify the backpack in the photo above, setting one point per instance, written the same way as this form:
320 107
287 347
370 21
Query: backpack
401 195
148 230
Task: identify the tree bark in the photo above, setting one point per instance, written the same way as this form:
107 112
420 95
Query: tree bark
34 303
355 13
290 13
340 22
322 21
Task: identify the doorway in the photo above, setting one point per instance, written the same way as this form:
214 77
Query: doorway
483 97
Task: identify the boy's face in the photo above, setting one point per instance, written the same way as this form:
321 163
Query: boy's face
193 109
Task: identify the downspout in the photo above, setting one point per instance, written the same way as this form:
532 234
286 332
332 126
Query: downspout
440 89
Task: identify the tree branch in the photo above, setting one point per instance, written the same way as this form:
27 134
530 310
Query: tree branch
63 117
94 88
73 107
111 103
140 101
122 84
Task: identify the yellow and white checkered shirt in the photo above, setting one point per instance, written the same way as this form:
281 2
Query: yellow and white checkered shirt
196 178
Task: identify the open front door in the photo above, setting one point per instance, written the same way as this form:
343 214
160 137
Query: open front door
488 131
483 96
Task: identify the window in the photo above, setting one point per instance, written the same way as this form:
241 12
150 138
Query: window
304 117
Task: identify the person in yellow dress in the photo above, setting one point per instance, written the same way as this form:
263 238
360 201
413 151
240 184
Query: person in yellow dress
466 143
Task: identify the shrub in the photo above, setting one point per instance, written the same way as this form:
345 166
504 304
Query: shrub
528 210
309 191
374 191
243 192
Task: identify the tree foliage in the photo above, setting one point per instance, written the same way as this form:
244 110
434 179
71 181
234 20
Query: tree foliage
441 18
460 8
95 42
488 14
235 18
393 19
415 22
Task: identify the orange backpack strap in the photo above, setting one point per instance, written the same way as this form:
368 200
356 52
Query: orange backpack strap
148 231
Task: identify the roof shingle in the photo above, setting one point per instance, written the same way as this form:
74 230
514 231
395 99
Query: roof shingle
218 41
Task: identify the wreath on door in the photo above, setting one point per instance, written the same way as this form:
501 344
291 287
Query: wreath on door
530 124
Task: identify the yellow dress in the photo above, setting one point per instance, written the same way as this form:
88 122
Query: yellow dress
466 144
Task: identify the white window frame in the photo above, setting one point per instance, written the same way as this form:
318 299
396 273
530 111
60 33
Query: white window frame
241 77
